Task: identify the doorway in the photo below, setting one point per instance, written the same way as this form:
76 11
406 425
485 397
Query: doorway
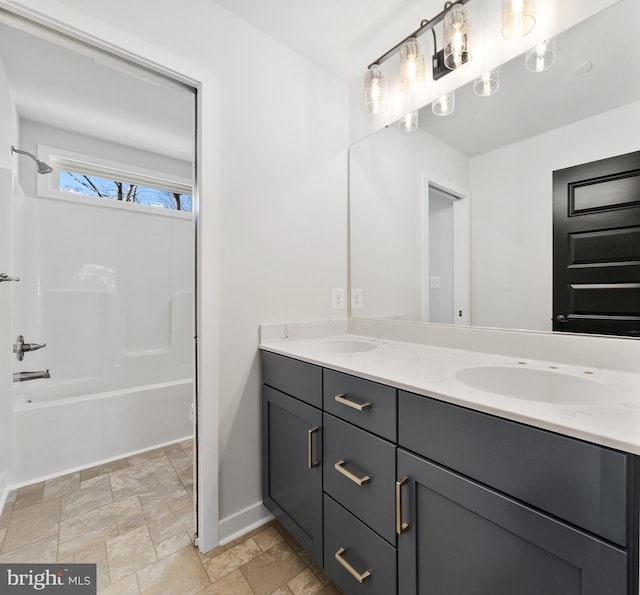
445 254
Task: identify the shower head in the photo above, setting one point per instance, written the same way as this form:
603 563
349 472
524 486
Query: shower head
43 168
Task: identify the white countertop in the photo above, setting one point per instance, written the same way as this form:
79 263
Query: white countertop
431 371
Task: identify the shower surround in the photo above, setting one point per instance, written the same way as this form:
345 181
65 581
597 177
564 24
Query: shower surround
110 290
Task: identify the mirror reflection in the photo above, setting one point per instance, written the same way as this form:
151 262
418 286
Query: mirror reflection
453 223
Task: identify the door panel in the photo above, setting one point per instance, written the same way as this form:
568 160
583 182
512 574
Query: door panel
596 247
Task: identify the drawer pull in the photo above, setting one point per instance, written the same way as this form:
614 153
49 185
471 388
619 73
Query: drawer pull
310 462
400 526
350 569
339 467
358 406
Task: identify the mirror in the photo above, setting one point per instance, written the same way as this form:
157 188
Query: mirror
452 223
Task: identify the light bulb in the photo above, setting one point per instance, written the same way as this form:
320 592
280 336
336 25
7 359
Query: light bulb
487 84
409 123
456 37
542 56
444 105
375 90
518 18
411 66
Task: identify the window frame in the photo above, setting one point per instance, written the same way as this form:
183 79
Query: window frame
63 160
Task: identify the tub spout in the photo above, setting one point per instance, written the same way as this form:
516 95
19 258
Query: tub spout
24 376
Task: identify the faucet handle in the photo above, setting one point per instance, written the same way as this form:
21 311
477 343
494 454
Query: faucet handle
20 347
33 346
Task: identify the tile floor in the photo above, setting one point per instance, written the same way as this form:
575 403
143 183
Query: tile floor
134 519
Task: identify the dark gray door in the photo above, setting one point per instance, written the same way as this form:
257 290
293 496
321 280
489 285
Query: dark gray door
291 467
465 538
596 247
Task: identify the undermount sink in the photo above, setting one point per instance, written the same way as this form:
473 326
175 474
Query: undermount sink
530 384
339 346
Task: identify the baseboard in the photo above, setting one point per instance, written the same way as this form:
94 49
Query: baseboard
243 521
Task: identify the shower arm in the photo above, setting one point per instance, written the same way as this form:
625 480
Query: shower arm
43 168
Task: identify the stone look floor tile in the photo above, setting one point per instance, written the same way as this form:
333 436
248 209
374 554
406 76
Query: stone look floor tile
125 586
172 545
45 550
136 515
129 552
232 559
234 583
305 583
85 500
59 486
99 517
267 539
181 572
88 540
271 569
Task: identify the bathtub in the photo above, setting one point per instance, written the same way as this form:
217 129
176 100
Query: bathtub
57 433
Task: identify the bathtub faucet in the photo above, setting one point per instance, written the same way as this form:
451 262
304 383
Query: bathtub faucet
24 376
20 347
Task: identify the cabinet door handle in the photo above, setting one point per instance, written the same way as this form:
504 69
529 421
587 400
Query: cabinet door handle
358 406
350 569
339 467
400 526
310 462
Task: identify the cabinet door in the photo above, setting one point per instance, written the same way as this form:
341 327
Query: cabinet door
291 467
465 538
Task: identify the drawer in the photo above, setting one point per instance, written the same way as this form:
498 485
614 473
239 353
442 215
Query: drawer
364 555
579 482
293 377
369 405
365 481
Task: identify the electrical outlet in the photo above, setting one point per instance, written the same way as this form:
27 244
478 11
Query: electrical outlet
356 299
337 298
435 282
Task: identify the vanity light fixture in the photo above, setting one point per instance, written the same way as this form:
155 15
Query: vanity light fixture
542 56
375 90
518 18
411 66
488 83
409 123
444 105
455 54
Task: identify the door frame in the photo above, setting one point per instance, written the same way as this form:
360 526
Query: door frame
461 246
62 21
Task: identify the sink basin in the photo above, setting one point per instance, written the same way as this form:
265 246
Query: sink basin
530 384
339 346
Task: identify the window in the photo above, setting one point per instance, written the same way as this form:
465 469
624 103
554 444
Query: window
85 179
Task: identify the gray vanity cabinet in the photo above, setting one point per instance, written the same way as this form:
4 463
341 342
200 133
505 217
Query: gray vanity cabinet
494 506
292 449
398 493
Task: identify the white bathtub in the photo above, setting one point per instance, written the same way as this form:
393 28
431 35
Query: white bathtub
55 434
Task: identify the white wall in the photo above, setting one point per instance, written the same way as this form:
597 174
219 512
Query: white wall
512 219
273 209
387 178
8 136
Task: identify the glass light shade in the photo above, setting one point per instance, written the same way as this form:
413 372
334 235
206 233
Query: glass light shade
444 105
487 84
375 90
456 37
409 123
518 18
542 56
411 66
